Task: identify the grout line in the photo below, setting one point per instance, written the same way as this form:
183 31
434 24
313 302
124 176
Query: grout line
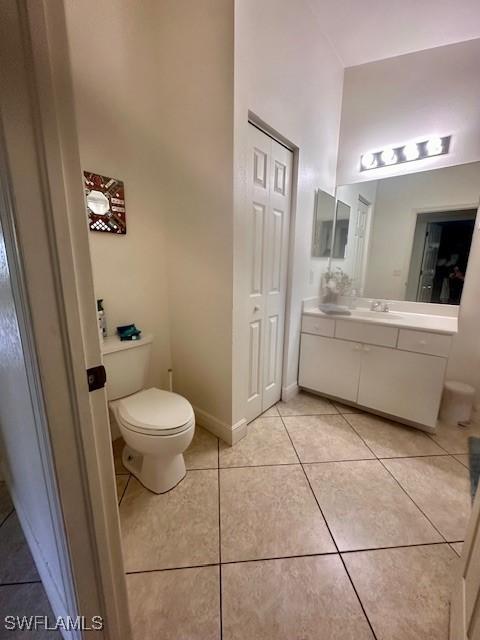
219 542
304 555
17 584
7 516
333 539
398 482
125 490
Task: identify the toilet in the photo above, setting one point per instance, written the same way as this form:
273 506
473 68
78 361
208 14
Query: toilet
156 425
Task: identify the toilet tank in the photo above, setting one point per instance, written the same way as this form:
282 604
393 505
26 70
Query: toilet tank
126 364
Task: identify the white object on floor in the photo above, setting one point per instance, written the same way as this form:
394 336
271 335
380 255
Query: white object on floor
156 425
457 402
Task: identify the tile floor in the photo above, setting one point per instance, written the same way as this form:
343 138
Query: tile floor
295 532
21 592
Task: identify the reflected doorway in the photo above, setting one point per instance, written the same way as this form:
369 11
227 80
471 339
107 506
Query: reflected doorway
440 253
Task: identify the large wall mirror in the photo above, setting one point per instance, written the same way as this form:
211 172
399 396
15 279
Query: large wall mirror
407 237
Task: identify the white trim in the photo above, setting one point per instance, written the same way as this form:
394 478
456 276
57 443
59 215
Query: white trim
231 434
290 392
41 143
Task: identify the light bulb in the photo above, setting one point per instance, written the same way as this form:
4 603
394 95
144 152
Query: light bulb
434 146
368 161
411 151
389 156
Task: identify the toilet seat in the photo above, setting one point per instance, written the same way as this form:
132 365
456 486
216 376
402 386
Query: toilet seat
154 412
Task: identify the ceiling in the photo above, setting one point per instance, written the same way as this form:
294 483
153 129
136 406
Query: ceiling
366 30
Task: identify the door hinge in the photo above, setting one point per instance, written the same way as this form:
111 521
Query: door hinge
96 377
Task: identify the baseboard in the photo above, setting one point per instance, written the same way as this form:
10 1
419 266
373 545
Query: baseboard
230 434
290 392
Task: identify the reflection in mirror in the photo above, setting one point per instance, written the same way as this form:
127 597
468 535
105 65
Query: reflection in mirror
340 236
410 235
323 224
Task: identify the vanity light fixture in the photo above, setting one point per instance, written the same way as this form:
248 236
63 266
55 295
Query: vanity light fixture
369 161
435 146
389 156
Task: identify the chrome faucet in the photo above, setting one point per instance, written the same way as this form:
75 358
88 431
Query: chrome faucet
378 305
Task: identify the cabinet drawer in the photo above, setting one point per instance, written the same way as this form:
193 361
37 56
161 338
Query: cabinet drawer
318 325
365 332
434 344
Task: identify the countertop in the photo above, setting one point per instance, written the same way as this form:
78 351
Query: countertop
403 320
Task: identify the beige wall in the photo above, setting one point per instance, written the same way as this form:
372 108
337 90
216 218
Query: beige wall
287 74
117 95
193 59
154 98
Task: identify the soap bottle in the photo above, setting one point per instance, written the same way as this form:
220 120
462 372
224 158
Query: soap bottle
102 322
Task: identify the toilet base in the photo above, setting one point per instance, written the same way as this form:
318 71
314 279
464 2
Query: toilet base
156 474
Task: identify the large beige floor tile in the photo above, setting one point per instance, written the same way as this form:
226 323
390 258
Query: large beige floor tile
365 508
6 506
182 604
203 451
325 438
457 547
389 439
454 439
291 599
271 413
174 529
405 591
345 408
464 458
16 562
306 404
269 512
266 442
440 486
26 600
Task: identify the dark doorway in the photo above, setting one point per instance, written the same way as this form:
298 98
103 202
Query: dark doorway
440 256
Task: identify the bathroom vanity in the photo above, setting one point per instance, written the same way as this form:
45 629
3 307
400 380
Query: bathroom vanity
393 362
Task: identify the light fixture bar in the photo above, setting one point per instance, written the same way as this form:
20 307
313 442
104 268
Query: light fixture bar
409 152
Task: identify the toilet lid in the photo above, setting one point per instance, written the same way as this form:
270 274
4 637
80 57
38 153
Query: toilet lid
154 410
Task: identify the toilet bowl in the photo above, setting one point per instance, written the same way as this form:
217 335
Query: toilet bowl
157 425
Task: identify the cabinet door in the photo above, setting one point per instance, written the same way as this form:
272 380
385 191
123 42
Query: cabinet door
404 384
330 366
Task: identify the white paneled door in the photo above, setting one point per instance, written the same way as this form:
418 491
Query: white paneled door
268 218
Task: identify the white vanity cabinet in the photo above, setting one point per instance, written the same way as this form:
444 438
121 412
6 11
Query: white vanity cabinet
349 360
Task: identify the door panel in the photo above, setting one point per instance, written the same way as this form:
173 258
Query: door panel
405 384
269 194
254 387
258 215
330 366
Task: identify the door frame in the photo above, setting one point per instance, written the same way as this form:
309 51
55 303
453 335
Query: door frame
50 251
269 131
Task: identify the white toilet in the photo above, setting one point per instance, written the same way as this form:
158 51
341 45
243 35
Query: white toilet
156 425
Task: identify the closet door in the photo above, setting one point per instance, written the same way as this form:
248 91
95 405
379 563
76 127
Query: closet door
268 218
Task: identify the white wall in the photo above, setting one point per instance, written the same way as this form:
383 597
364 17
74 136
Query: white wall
398 202
286 74
411 97
117 93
